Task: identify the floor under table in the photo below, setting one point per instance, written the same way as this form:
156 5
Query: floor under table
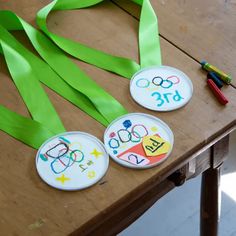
177 213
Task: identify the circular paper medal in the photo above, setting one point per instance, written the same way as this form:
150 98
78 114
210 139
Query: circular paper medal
138 140
161 88
72 161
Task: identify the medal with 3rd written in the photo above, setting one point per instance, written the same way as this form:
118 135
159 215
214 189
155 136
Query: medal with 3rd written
161 88
138 140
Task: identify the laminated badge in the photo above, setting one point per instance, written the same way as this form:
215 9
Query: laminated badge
138 140
72 161
161 88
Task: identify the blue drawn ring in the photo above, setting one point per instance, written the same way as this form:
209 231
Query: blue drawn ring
143 86
167 86
155 78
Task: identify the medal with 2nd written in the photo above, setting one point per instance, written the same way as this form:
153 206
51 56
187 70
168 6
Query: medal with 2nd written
138 140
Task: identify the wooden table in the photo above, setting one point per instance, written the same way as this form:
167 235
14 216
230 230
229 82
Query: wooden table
189 32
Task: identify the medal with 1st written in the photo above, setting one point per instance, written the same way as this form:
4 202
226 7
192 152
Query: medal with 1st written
72 161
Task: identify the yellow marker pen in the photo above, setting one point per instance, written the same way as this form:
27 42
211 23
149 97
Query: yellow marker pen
223 76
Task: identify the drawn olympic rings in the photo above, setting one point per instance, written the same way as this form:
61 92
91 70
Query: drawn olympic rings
61 153
158 81
124 136
61 149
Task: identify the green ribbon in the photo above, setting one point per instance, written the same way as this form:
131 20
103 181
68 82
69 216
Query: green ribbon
46 121
50 78
24 129
98 100
68 81
149 45
61 75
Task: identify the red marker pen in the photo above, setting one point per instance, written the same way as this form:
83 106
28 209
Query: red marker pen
219 95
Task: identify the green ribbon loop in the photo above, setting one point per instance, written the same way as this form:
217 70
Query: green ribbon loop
47 76
28 85
67 70
46 122
149 45
63 76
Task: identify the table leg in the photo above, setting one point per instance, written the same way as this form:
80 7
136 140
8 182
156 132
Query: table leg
210 202
210 191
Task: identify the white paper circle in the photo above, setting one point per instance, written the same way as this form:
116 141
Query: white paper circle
72 161
138 140
161 88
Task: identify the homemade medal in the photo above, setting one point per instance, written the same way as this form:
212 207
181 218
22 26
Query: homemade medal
153 86
138 140
69 160
72 161
161 88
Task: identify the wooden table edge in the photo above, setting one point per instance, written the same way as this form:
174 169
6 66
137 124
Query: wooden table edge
158 185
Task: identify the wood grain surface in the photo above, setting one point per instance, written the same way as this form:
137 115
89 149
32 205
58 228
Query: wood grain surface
203 29
27 205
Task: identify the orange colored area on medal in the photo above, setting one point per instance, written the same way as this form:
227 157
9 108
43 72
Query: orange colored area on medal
139 149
